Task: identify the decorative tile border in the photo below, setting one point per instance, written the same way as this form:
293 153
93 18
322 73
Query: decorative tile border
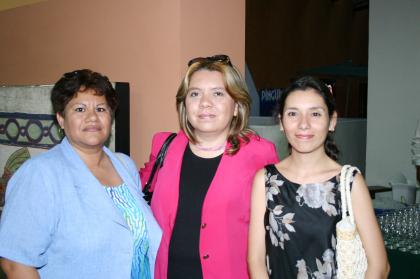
30 130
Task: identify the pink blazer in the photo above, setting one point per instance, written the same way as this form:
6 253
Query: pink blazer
226 207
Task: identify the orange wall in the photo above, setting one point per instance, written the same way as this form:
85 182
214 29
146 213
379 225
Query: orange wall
145 43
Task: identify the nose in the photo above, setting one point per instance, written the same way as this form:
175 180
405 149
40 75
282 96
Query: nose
303 123
92 115
205 101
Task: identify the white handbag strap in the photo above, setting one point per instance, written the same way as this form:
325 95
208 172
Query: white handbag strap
346 205
343 191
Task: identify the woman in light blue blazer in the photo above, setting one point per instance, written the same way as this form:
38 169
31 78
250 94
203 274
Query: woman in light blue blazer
76 211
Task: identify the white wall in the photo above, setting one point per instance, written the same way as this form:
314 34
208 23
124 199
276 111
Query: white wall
394 88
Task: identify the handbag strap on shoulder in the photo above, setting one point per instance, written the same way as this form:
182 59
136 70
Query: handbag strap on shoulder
159 161
345 178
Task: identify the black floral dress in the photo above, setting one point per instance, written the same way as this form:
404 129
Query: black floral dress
300 227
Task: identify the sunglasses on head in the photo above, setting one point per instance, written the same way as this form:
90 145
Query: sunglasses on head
71 75
215 58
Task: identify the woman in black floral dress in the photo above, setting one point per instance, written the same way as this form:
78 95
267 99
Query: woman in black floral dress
296 203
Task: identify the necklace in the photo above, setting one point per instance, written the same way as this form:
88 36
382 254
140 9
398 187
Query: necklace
214 148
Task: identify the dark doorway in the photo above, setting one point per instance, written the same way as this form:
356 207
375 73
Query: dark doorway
327 39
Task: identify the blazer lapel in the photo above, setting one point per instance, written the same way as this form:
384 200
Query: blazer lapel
91 193
123 171
168 182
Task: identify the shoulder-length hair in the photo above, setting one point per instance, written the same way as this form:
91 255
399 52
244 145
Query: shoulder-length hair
237 89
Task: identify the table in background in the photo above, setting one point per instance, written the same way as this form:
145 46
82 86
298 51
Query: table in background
378 189
404 265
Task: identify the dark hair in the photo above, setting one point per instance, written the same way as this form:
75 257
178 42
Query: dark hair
71 83
309 82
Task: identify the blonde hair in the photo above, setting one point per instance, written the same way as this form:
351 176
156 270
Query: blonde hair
237 90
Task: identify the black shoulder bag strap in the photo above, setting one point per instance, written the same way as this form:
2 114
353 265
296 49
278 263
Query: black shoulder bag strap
158 164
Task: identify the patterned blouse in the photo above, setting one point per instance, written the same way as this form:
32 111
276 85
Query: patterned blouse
126 203
300 224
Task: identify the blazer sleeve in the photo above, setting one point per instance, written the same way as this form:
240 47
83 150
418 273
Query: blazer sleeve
157 142
272 156
266 150
30 215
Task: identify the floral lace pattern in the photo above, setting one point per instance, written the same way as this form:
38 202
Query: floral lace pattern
279 223
316 195
326 267
298 219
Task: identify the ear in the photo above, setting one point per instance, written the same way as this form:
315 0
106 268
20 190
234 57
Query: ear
333 122
280 123
60 120
235 110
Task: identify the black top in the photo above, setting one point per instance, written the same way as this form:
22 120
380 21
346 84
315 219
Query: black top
300 226
195 179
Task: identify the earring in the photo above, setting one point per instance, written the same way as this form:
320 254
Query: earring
60 132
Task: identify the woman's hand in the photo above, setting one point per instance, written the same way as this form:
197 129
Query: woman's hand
256 238
16 270
369 231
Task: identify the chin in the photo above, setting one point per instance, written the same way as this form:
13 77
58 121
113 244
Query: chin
307 149
95 142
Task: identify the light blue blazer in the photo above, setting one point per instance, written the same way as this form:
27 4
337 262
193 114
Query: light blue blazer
60 219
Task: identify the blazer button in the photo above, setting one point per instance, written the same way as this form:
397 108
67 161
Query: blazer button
206 256
203 225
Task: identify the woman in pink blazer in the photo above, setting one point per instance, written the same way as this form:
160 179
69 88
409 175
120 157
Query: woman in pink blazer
201 194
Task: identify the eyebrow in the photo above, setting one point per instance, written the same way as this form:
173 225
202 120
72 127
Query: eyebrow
83 104
212 88
311 108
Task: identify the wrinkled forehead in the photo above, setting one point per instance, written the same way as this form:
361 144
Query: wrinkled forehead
86 96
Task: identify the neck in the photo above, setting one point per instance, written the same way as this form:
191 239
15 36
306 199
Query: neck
210 142
309 167
208 146
91 157
308 161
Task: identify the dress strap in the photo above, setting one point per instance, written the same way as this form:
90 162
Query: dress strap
270 168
